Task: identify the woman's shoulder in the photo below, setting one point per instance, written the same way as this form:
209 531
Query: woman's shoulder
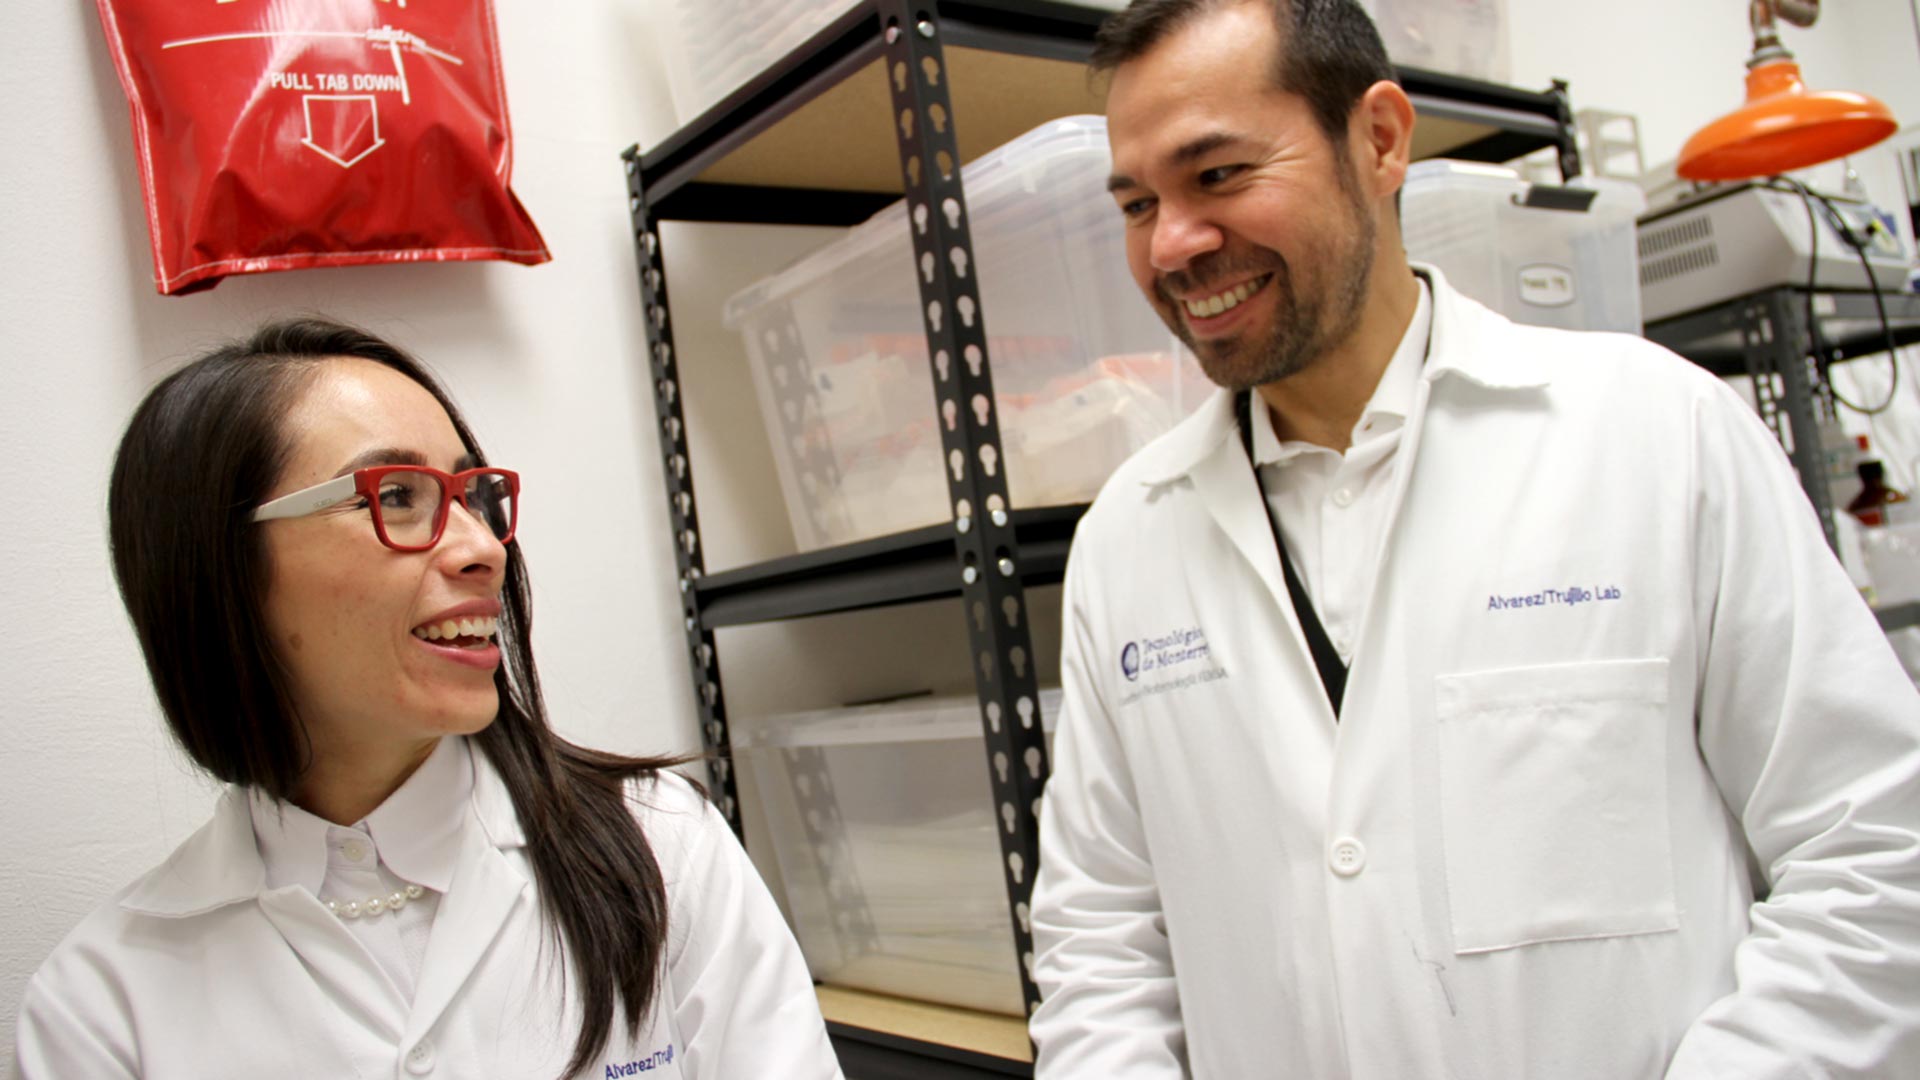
666 791
674 813
143 939
92 959
74 1002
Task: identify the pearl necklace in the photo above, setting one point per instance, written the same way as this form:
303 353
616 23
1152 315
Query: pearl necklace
375 905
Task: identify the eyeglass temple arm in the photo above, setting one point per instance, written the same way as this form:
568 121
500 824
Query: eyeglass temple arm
310 500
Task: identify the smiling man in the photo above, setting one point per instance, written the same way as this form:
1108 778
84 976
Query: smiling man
1446 697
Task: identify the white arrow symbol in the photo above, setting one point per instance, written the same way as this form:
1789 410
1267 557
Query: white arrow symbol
306 104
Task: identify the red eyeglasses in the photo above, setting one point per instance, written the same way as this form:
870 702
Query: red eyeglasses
409 503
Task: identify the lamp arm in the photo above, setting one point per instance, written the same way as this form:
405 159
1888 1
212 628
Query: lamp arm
1800 13
1766 36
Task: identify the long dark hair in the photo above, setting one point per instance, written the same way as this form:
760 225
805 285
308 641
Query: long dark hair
200 453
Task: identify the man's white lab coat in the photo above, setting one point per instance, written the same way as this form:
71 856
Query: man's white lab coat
1626 782
200 971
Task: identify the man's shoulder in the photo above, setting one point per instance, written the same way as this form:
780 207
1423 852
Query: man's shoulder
1596 359
1483 338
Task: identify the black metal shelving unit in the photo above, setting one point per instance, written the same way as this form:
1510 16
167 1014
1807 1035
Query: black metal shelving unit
898 569
1765 335
1899 616
887 102
866 1054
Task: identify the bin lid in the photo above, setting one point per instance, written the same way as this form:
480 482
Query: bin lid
1447 174
910 720
998 184
1441 176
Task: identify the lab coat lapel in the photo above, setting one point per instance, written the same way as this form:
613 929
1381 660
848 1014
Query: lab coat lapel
485 890
1461 343
221 865
336 959
1409 456
1224 481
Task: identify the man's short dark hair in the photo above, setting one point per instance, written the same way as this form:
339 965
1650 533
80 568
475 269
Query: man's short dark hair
1330 51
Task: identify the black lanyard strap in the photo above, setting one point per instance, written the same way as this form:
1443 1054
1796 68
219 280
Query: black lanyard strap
1333 673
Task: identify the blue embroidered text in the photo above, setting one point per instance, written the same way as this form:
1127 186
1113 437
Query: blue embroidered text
655 1060
1572 596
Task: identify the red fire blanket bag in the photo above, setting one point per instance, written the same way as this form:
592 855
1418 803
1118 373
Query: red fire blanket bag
280 134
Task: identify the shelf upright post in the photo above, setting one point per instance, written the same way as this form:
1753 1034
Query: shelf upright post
1568 143
1775 339
988 554
681 511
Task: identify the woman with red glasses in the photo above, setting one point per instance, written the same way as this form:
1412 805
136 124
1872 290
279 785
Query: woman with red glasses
411 873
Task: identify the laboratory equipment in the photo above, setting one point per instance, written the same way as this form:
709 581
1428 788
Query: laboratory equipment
1733 239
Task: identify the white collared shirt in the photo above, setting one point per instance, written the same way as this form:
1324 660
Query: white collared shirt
1332 508
410 839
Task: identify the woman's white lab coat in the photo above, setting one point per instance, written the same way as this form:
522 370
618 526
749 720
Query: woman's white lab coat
1626 780
200 971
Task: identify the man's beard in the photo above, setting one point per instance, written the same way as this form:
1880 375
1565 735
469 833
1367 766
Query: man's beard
1302 328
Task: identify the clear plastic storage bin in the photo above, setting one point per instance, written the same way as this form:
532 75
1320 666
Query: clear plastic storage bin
887 839
1084 371
1457 37
1550 267
719 45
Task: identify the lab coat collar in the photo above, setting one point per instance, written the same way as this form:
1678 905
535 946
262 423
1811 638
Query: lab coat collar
493 806
1392 397
221 864
416 829
218 865
1468 342
413 830
292 842
1473 341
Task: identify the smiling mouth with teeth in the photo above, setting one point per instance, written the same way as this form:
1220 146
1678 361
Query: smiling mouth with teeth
464 633
1209 306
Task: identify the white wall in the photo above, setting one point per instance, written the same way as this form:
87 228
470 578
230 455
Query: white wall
548 362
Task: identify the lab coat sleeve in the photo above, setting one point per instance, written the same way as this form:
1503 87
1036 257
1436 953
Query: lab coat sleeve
1109 1006
1812 734
56 1038
741 996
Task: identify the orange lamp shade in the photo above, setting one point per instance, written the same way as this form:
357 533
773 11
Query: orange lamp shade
1782 127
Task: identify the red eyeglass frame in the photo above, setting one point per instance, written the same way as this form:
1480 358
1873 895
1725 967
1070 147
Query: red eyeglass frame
366 484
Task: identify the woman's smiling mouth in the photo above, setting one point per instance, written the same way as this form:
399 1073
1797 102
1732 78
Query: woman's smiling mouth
468 632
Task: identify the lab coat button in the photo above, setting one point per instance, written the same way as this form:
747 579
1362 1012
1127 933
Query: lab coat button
1347 856
420 1058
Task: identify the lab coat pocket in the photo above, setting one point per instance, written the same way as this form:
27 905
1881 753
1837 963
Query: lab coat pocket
1553 803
